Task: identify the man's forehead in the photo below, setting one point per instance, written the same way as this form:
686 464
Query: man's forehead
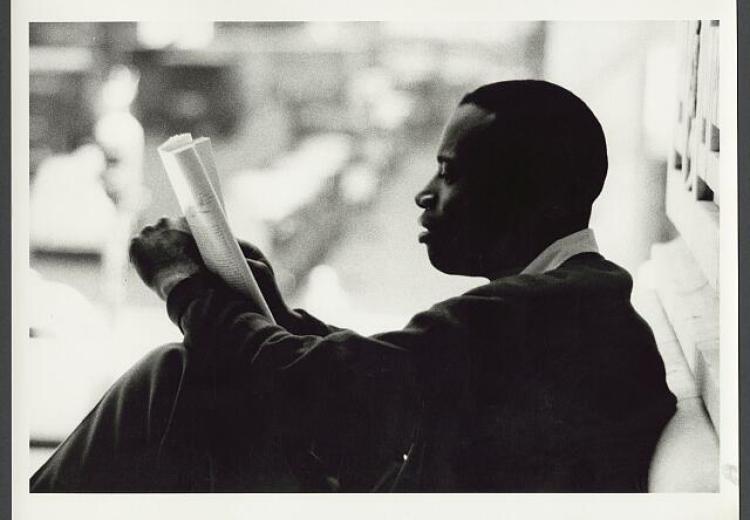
468 120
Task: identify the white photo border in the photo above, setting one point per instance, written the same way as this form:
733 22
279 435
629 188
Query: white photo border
228 506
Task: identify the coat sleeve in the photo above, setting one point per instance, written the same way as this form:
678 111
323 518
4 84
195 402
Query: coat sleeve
357 399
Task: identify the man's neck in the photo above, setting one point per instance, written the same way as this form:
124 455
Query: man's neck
551 254
560 250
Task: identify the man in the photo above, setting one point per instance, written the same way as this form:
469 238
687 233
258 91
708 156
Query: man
542 379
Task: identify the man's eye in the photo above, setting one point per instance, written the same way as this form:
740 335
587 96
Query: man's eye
445 173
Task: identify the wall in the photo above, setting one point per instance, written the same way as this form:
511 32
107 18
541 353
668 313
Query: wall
611 67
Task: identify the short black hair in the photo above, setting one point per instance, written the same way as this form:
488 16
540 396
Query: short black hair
549 139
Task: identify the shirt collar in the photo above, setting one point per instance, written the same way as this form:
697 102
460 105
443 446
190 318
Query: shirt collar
559 251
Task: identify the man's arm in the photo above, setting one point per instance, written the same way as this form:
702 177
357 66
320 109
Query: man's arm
357 399
296 321
165 254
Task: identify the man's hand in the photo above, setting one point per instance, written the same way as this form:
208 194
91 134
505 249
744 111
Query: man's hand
263 273
164 255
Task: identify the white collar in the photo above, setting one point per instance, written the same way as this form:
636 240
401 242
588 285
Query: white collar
560 250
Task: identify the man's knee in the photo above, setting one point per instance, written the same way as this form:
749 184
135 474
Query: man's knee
123 432
153 381
170 357
164 363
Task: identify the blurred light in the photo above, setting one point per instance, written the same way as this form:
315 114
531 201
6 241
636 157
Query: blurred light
155 34
68 59
195 35
413 64
359 185
491 32
59 310
324 294
70 210
185 35
325 33
120 88
191 104
659 95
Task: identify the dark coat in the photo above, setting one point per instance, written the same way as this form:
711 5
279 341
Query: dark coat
545 382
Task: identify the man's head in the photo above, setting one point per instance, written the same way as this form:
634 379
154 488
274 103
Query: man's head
519 165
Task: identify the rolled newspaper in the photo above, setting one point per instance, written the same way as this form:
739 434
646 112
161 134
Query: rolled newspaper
192 172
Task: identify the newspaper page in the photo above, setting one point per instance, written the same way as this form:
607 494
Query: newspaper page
192 172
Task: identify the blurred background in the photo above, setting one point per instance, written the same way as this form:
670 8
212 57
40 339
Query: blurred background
323 134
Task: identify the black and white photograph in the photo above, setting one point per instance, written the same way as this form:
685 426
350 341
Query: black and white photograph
285 259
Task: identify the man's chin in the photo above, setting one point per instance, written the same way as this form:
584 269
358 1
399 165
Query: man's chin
447 263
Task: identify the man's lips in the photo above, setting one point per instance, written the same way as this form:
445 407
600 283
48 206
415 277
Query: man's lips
429 229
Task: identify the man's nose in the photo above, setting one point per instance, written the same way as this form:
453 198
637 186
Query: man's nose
425 199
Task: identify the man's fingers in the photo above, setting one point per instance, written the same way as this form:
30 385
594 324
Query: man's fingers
163 222
138 259
249 250
147 230
264 276
252 252
191 248
134 245
136 250
260 268
181 224
160 251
